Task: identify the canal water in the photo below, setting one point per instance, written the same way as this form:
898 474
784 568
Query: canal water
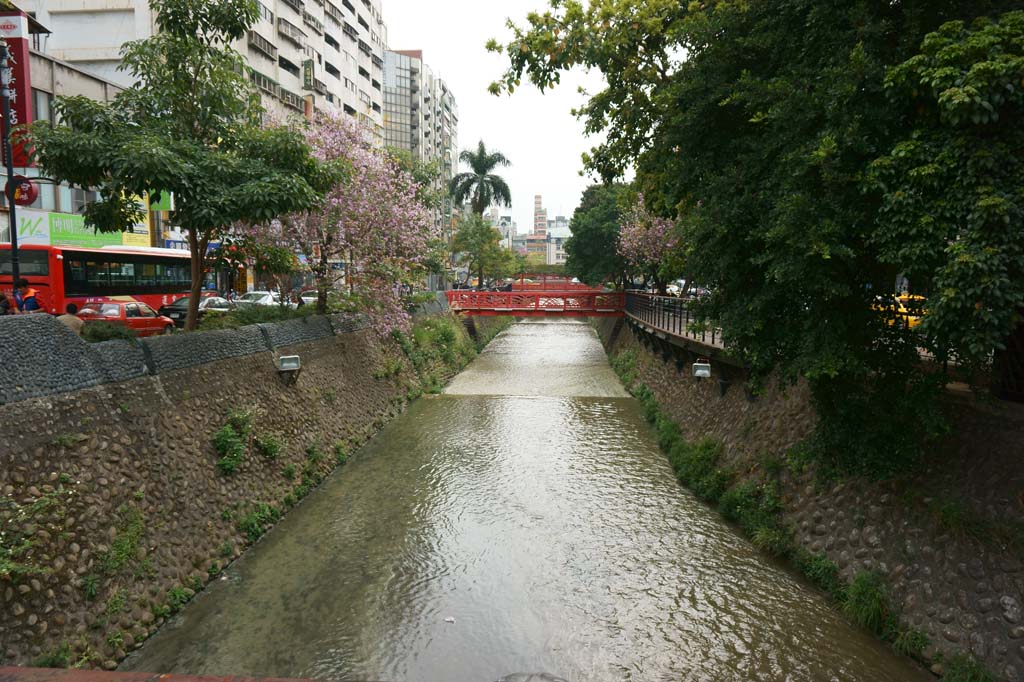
524 521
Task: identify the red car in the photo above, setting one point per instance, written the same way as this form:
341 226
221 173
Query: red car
137 316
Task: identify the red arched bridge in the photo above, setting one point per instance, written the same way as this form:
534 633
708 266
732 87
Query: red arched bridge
577 303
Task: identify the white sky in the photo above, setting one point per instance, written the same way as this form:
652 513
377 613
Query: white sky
537 132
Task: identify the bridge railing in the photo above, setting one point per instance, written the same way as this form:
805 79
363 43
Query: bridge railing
546 302
670 316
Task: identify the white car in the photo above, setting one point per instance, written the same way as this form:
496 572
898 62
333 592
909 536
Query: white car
257 298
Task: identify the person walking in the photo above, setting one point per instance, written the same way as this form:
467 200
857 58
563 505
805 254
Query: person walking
25 297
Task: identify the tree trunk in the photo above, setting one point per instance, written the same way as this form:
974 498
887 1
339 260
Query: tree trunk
197 249
322 282
348 272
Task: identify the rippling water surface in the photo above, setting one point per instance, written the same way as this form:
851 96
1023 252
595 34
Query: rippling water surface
531 506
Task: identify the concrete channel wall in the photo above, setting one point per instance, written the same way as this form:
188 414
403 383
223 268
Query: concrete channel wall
933 536
51 359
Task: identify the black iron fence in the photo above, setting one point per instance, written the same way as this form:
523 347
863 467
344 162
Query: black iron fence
671 316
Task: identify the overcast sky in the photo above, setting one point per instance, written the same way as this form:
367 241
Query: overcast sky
537 132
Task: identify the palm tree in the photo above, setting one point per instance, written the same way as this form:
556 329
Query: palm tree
481 186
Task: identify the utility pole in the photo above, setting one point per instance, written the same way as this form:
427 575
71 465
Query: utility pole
5 95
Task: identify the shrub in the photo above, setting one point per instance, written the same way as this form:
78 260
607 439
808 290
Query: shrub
254 314
910 642
340 452
125 546
268 446
241 422
867 603
314 454
288 471
90 586
58 658
176 598
258 521
965 668
624 365
116 603
97 332
230 447
821 571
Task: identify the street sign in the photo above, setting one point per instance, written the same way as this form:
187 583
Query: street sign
21 191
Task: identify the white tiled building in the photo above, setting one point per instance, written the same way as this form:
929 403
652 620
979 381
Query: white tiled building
302 54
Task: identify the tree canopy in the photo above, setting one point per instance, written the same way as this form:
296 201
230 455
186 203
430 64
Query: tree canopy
481 243
591 252
480 185
189 125
809 152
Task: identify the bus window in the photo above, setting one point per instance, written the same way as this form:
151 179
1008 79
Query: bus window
96 273
30 263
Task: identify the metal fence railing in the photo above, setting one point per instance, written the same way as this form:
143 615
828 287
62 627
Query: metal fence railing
671 316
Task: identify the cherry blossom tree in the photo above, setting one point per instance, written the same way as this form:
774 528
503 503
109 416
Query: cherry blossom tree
373 220
648 243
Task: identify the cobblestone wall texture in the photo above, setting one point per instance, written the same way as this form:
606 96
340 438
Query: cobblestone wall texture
303 329
932 536
42 356
126 509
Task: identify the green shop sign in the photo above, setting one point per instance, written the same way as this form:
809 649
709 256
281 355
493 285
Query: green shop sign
70 230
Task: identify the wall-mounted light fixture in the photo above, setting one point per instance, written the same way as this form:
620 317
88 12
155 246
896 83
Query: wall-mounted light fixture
289 367
702 368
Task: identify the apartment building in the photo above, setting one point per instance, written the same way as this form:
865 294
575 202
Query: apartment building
420 114
303 55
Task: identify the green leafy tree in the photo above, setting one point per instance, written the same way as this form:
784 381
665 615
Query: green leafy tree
755 125
481 244
591 253
953 189
188 125
481 186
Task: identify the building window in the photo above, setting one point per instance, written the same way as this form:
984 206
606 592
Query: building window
41 106
291 68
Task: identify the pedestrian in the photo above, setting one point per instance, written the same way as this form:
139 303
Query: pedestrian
25 297
71 320
5 305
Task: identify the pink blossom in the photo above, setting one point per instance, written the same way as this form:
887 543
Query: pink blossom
372 220
645 239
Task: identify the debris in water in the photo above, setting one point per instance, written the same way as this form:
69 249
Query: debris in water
449 619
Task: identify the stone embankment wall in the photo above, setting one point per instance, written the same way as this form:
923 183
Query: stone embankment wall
113 508
943 540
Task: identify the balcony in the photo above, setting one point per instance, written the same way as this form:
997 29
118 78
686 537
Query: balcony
314 23
365 48
262 45
292 100
291 32
264 83
350 31
377 61
294 4
333 13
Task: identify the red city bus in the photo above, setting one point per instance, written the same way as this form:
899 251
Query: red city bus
64 275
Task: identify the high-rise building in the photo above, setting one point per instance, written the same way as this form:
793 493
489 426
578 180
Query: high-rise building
420 114
302 55
540 217
559 227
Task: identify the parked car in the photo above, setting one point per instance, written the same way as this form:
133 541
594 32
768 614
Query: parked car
258 298
138 317
178 311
